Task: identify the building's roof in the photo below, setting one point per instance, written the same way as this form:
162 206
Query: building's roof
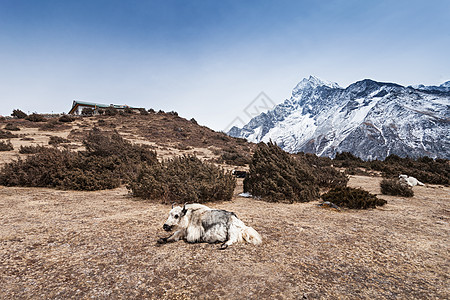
77 103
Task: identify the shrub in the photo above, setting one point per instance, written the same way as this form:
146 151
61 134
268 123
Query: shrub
347 159
11 127
66 119
276 176
34 117
128 110
19 114
424 169
143 112
352 198
7 135
61 169
233 157
87 111
108 161
55 140
6 146
111 111
183 179
31 149
395 188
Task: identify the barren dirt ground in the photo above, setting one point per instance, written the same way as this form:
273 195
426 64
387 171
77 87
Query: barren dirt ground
102 245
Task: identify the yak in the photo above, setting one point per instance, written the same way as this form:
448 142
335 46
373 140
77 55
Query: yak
199 223
409 180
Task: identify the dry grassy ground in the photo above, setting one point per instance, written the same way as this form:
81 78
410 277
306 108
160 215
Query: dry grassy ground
102 245
65 244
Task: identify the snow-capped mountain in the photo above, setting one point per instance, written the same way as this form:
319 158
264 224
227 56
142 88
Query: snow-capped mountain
369 119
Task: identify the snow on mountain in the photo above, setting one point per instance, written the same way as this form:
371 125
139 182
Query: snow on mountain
369 119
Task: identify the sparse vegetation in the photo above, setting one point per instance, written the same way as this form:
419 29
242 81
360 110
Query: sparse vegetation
183 179
11 127
66 119
6 146
108 161
425 169
87 111
17 113
394 187
111 111
7 135
56 140
34 117
31 149
232 156
352 198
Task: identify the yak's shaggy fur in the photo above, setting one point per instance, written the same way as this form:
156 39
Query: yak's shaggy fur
409 180
199 223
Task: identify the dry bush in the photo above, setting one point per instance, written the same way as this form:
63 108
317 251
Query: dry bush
183 179
61 169
56 140
347 160
34 117
31 149
425 169
231 156
19 114
11 127
7 135
66 119
394 187
276 176
87 111
352 198
108 162
6 146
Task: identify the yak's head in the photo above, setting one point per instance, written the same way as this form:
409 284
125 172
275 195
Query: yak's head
175 219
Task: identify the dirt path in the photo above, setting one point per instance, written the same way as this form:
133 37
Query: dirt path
65 244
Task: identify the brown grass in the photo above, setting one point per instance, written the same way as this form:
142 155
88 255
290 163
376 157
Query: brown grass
60 244
102 244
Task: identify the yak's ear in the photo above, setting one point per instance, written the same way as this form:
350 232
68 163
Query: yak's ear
173 204
183 211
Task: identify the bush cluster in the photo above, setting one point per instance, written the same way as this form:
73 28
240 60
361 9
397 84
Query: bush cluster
275 176
394 187
56 140
231 156
31 149
94 169
11 127
6 146
183 179
34 117
7 135
66 119
352 198
425 169
19 114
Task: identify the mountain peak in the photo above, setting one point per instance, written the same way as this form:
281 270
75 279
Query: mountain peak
366 118
313 82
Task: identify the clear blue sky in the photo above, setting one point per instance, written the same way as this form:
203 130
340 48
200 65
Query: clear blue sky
209 59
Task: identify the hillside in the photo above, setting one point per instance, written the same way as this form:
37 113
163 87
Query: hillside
102 244
167 133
